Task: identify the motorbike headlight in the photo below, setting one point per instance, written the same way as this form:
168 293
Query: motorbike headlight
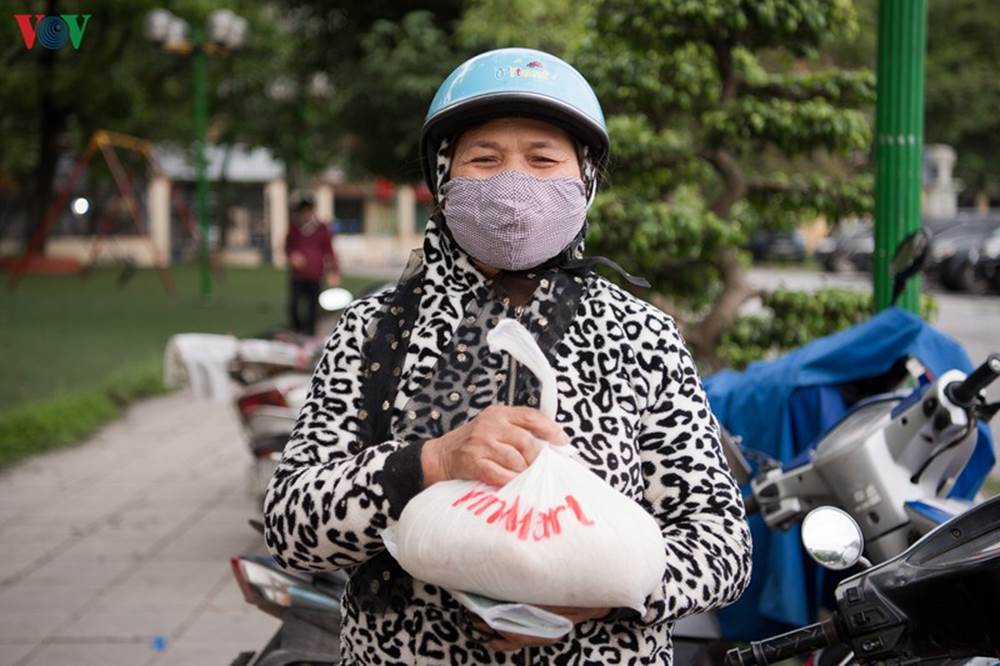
991 248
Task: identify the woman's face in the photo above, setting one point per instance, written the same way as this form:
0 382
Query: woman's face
515 144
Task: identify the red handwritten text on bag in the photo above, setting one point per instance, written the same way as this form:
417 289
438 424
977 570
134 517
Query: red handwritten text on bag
526 522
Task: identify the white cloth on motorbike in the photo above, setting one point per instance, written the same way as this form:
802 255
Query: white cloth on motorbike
200 360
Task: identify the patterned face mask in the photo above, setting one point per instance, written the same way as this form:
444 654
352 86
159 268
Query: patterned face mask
513 220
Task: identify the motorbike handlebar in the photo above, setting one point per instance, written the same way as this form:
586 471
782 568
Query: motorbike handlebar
964 393
794 643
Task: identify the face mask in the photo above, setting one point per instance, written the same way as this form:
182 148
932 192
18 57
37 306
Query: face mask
514 220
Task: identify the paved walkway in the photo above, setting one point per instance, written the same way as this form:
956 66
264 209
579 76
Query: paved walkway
108 545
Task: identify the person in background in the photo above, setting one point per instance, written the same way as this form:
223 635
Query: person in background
310 254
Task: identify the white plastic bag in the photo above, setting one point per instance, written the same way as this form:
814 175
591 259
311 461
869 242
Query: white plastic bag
554 535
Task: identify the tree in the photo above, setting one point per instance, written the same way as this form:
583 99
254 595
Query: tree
53 101
382 60
722 123
962 89
396 55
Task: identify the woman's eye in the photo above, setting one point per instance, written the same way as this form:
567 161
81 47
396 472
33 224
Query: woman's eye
486 159
543 160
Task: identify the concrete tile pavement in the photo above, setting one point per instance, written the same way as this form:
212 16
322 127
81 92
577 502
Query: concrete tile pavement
127 537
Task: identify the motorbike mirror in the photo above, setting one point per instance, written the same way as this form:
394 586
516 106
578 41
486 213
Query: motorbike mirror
909 258
335 299
832 538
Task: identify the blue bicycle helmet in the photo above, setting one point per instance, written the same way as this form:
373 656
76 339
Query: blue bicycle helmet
513 82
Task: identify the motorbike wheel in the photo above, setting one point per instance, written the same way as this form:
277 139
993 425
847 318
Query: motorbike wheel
970 280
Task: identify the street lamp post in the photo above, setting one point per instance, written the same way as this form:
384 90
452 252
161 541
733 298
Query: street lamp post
224 32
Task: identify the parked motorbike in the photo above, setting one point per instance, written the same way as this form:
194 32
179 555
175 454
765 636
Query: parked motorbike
268 410
282 352
307 605
933 603
890 462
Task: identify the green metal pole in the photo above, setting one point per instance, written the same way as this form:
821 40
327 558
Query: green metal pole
899 139
201 127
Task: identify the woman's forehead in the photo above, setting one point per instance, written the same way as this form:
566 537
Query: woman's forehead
511 132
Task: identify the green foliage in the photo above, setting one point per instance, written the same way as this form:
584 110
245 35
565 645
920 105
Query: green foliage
714 136
962 88
556 26
785 200
75 351
35 427
793 319
402 65
791 127
798 26
666 241
64 334
853 88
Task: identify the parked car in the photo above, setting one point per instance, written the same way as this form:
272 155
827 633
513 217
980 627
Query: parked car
988 264
778 246
849 248
955 253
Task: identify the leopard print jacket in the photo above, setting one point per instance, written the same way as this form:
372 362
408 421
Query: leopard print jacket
629 398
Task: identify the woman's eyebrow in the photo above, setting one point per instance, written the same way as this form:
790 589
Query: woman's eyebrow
483 143
542 143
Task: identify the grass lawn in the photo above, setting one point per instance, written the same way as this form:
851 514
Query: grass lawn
74 350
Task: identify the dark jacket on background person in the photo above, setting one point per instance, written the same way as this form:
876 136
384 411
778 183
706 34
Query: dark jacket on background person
314 242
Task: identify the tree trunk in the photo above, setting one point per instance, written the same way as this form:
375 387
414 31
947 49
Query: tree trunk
704 337
51 126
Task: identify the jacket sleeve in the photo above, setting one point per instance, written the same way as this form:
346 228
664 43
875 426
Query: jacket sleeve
690 491
326 504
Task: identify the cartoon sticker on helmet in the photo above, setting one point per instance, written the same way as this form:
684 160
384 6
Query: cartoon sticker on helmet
533 70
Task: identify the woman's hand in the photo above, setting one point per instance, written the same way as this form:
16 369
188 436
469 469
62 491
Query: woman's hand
494 447
576 614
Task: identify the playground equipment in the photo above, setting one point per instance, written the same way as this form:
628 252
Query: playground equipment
105 142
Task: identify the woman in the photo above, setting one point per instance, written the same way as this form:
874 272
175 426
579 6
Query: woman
408 394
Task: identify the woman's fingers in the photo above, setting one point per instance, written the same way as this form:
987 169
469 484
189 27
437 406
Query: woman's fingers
492 473
522 441
537 424
577 614
508 457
